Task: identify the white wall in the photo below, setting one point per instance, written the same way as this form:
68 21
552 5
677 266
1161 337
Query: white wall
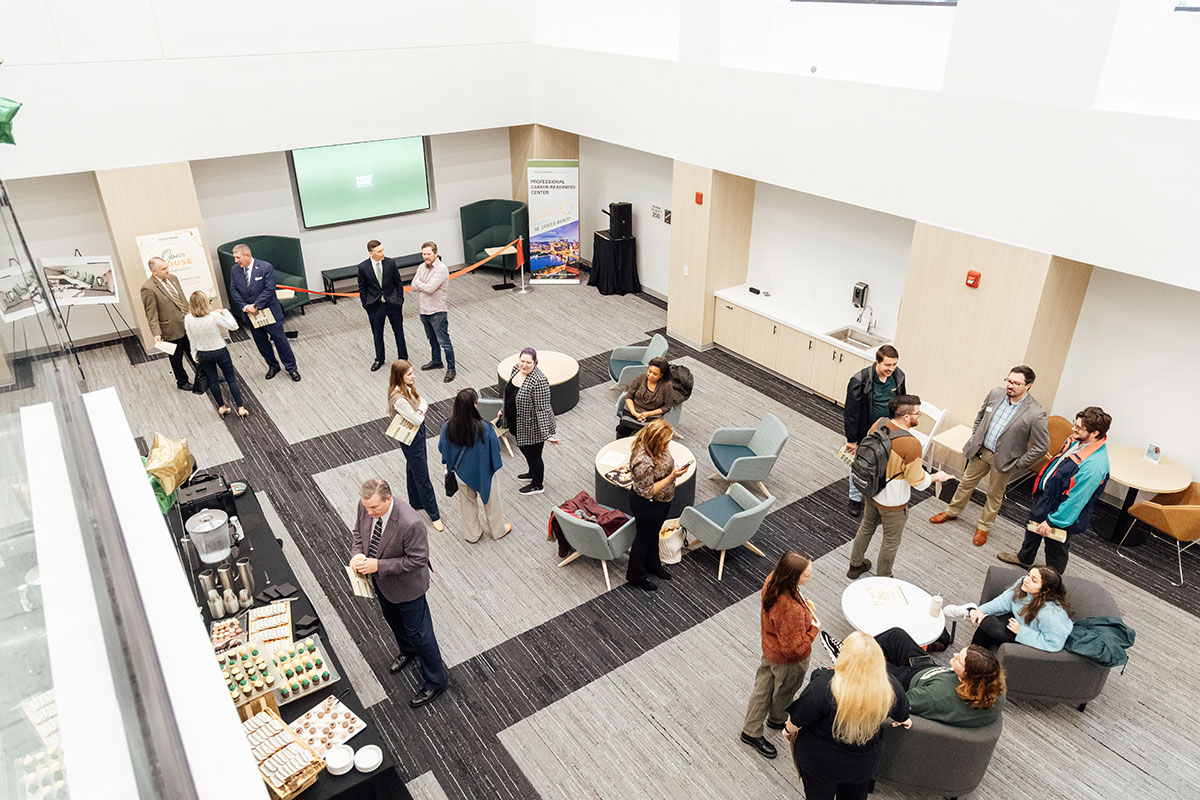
812 251
648 28
609 173
251 195
59 214
1134 354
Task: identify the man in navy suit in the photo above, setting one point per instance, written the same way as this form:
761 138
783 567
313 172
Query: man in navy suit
381 293
252 289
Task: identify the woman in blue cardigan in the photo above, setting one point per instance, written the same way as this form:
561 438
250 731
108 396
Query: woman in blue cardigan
470 449
1033 612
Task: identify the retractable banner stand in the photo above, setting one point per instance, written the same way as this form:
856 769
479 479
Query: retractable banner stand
184 253
554 221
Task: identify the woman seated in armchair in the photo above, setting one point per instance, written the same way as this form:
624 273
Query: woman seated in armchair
1034 611
648 397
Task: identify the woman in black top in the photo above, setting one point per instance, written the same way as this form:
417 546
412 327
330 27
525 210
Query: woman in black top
834 724
527 413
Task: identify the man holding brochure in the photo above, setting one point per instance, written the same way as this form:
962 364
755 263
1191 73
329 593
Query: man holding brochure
252 289
390 544
166 306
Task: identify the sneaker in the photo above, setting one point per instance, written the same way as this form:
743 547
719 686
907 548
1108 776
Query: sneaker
764 748
854 508
524 476
531 489
832 646
855 572
958 613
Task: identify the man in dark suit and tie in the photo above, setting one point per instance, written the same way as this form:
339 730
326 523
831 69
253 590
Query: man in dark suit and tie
252 289
391 544
381 292
166 306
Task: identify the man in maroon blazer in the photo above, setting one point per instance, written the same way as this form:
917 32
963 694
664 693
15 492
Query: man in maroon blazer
391 544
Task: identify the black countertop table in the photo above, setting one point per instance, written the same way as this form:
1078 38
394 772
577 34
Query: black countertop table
271 569
614 265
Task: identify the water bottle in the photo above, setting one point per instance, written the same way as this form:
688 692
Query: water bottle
935 605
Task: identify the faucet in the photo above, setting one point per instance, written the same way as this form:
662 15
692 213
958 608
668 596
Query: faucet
870 320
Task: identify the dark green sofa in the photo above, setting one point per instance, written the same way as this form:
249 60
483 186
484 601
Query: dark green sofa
283 253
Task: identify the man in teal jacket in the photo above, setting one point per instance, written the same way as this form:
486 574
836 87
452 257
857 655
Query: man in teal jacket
1066 491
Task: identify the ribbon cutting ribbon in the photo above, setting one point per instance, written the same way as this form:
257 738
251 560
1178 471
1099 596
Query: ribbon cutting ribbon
455 274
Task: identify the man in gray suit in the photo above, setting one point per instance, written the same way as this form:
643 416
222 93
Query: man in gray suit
391 544
1010 435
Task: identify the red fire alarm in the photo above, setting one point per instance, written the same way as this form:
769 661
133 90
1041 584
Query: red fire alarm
699 198
973 278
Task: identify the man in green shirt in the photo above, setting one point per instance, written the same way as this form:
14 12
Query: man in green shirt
867 396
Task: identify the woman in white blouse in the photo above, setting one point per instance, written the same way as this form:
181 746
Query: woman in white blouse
204 327
405 402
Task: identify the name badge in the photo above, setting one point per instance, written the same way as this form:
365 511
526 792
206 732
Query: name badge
989 408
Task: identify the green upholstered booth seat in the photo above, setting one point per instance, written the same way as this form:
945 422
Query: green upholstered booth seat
493 223
281 252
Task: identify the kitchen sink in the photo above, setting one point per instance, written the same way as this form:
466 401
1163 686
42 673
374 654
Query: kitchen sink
857 337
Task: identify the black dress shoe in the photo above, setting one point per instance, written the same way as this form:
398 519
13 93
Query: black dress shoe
431 365
295 376
185 387
646 585
854 508
424 696
375 367
776 726
660 572
764 748
449 376
400 662
271 373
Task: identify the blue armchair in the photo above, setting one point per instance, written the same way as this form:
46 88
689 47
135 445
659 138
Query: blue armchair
748 454
626 362
588 539
727 521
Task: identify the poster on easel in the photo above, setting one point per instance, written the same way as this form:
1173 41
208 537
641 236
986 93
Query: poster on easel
20 294
554 221
184 253
81 280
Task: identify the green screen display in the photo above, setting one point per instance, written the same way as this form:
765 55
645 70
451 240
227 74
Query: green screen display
350 182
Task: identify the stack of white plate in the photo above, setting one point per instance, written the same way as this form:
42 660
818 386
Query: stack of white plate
368 758
340 759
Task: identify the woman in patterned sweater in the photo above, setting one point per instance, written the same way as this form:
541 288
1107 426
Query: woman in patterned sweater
527 412
654 474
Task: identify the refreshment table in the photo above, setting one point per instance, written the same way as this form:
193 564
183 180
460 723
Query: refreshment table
873 605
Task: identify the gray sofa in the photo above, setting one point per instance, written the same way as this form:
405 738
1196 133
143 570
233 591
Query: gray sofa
1060 677
934 758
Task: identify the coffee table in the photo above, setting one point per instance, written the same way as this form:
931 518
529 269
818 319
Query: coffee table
616 454
910 612
1130 467
560 370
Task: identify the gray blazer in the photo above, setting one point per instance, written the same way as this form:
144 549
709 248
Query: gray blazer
403 552
1023 442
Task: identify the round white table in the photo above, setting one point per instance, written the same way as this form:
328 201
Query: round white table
615 455
561 371
1129 466
907 607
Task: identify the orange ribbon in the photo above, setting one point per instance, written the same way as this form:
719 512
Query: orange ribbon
455 274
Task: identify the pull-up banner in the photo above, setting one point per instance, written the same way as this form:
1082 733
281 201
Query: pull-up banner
554 221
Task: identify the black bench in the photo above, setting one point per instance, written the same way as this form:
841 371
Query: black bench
331 276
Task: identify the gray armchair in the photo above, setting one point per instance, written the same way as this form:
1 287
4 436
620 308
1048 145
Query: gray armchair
1061 677
625 363
588 539
489 409
935 758
671 416
727 521
748 454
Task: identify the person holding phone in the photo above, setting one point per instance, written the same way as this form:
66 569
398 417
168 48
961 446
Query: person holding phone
654 474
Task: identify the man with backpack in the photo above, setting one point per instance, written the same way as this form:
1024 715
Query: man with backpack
887 466
867 396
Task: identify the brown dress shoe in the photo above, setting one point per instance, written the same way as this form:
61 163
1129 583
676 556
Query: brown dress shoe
940 517
980 538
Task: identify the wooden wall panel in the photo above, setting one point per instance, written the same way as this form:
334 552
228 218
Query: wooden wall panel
731 218
956 342
536 141
142 200
1054 325
689 302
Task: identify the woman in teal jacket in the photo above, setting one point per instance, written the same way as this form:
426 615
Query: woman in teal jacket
1033 612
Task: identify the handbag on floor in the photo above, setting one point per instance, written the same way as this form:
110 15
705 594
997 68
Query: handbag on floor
670 542
451 480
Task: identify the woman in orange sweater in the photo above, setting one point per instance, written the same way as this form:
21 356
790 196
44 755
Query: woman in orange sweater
789 628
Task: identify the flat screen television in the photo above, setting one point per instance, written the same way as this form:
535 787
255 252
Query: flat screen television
343 183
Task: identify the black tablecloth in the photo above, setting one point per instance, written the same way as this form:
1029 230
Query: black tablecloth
614 265
272 569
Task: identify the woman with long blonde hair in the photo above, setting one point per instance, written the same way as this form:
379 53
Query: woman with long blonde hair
834 724
654 474
205 328
406 402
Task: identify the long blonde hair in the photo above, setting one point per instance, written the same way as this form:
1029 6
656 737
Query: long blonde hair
198 303
396 385
653 438
862 690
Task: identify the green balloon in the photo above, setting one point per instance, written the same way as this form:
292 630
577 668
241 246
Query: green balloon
8 110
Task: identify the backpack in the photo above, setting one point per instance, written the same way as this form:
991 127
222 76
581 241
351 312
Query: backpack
682 384
870 460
